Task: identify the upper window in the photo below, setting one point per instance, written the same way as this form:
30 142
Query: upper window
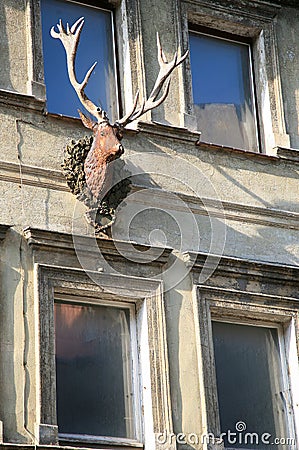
223 94
96 44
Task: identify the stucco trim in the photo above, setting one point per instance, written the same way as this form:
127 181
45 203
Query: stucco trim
44 240
27 102
230 267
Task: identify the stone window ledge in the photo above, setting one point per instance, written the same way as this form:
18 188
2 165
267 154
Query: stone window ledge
9 98
279 153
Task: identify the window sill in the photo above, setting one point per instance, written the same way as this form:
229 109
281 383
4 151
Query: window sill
169 131
87 440
10 98
279 153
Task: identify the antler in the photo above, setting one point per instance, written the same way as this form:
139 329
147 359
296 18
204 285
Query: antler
70 40
165 70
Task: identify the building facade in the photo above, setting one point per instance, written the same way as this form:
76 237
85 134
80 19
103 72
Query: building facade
178 328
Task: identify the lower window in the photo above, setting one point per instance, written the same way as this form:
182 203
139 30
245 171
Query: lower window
252 388
95 364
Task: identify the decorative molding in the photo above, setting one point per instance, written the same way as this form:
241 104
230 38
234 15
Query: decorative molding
15 99
256 9
63 242
236 151
229 267
32 176
54 179
44 240
210 207
3 231
290 155
239 295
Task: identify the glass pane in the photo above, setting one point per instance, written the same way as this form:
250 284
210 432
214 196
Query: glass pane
93 370
249 382
222 91
96 44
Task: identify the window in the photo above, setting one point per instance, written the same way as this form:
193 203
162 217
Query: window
96 44
223 95
251 387
95 359
250 368
111 327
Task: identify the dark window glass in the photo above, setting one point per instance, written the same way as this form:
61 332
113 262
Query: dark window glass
96 44
222 91
93 370
249 382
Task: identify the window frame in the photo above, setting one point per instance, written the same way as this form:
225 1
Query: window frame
86 438
107 7
258 24
234 38
216 304
147 295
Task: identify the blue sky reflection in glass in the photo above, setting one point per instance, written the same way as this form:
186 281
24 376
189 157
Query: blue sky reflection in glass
222 86
220 70
96 44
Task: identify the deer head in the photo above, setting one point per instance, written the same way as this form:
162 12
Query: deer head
106 144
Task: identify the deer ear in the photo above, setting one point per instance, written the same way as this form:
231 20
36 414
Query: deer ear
87 122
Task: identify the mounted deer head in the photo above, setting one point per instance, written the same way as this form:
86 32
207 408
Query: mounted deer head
106 144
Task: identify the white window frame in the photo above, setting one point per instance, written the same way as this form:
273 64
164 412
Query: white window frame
257 23
136 369
216 304
147 296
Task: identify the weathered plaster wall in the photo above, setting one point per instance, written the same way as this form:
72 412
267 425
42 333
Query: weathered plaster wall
259 196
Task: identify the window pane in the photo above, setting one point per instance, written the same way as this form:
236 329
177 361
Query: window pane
222 91
93 370
249 381
96 44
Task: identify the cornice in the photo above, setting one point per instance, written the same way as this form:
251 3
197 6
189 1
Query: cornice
230 266
217 208
256 9
32 176
15 99
54 179
227 266
54 241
